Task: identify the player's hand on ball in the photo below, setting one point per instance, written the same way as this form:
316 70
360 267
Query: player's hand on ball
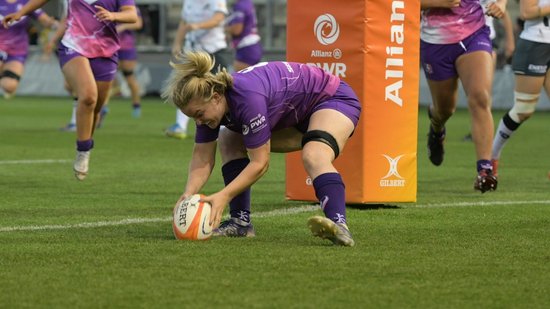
218 202
191 218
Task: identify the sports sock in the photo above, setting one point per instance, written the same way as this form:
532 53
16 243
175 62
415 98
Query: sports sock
484 165
330 190
239 206
506 127
86 145
73 115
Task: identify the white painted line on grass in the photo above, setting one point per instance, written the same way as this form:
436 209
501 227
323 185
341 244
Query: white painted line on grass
267 214
491 203
273 213
32 161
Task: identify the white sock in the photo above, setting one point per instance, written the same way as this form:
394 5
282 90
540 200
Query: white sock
73 115
182 120
501 137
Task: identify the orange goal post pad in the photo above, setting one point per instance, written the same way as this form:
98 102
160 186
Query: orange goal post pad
373 45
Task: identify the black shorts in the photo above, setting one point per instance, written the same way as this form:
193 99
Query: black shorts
531 58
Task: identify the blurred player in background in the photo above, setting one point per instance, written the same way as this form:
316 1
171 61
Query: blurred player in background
127 61
88 59
455 45
49 47
14 43
127 56
268 107
530 66
200 29
242 25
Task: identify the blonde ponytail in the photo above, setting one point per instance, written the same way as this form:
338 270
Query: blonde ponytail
191 78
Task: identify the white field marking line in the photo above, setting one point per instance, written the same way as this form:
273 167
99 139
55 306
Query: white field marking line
468 204
33 161
267 214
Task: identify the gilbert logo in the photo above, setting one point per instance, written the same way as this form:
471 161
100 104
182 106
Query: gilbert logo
392 178
326 29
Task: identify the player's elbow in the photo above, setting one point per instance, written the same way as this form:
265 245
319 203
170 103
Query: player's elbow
263 168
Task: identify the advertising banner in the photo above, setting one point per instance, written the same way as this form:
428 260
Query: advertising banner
373 45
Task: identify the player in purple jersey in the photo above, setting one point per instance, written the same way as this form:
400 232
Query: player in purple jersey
269 107
128 60
455 45
242 25
88 59
14 44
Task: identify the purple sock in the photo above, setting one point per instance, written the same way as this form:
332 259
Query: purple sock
239 207
330 190
484 165
86 145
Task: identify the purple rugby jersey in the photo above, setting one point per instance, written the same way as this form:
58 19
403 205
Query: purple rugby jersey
448 26
245 13
128 37
15 40
89 36
271 96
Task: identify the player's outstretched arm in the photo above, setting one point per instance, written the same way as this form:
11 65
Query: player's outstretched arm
427 4
31 6
127 14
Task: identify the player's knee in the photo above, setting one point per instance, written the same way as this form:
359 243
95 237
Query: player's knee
88 99
323 137
9 81
10 75
524 106
479 99
315 160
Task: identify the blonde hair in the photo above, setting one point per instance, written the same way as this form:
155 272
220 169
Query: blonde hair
191 78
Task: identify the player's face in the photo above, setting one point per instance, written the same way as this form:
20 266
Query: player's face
209 113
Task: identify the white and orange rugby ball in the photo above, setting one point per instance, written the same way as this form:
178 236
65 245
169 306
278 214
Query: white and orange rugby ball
192 219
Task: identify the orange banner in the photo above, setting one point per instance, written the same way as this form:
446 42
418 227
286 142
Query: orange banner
374 47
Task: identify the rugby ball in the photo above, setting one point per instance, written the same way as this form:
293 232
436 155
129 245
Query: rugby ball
192 219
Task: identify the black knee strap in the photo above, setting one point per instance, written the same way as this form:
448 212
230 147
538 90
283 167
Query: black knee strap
323 137
127 72
10 74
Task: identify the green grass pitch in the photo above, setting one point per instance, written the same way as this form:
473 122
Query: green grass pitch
107 242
